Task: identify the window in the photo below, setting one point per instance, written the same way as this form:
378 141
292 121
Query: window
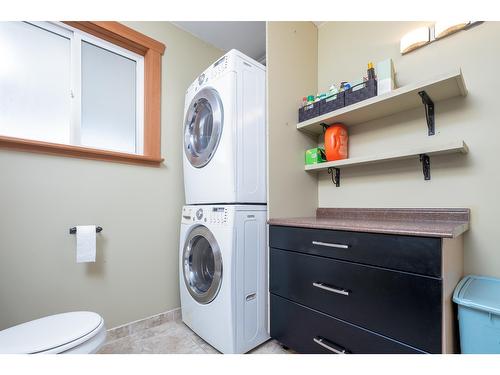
111 99
35 83
85 89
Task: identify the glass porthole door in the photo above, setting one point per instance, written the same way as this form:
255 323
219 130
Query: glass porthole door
202 265
203 127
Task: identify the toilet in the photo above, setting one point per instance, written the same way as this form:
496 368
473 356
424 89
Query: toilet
78 332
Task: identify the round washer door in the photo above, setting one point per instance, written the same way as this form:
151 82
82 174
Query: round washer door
202 265
203 127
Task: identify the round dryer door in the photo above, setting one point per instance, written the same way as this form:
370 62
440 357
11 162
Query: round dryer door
202 265
203 127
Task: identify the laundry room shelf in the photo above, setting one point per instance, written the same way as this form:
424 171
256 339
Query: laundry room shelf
430 150
439 88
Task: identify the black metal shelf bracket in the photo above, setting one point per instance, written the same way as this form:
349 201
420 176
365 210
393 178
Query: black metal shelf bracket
325 126
426 166
429 111
335 173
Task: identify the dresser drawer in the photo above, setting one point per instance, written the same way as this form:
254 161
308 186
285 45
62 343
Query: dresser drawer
403 306
420 255
308 331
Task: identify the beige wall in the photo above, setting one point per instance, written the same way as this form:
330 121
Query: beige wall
41 197
344 48
291 73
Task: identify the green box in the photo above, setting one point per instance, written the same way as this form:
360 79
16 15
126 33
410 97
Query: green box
315 156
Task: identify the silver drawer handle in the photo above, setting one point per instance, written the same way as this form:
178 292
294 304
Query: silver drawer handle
330 289
335 245
322 342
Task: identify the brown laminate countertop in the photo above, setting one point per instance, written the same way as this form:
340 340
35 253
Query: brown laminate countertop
423 222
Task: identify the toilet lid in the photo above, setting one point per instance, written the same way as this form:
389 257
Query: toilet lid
48 333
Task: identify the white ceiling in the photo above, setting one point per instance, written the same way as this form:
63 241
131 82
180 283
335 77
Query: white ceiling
248 37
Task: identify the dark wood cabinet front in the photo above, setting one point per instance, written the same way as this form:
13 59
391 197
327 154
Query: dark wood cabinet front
421 255
368 293
403 306
308 331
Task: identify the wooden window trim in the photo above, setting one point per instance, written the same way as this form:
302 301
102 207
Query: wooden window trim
22 144
152 50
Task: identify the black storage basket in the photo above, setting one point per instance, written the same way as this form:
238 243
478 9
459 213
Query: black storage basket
309 111
361 91
332 103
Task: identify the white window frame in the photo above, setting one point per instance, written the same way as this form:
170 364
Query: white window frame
76 37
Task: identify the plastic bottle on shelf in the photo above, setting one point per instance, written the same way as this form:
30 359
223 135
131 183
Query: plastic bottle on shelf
345 86
371 71
304 101
320 96
336 139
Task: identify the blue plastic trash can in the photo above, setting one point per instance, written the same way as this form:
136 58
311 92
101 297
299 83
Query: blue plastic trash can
478 300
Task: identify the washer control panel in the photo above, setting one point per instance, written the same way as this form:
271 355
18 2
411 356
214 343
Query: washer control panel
218 215
214 215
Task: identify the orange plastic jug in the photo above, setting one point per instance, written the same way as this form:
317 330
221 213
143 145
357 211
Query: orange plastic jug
336 142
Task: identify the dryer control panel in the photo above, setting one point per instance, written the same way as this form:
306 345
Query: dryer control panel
225 64
215 71
219 67
230 62
214 215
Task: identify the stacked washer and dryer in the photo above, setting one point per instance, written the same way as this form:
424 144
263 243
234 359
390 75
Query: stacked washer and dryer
223 239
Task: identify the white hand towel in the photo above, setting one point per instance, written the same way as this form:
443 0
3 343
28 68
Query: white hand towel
85 243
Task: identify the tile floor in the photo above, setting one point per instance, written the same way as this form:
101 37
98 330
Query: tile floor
173 337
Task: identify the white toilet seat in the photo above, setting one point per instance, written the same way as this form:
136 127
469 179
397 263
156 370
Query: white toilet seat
88 344
73 332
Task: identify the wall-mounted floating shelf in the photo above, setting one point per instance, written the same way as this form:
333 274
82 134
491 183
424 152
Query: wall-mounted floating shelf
425 93
423 153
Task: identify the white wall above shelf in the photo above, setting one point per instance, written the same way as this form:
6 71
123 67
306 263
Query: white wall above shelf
442 87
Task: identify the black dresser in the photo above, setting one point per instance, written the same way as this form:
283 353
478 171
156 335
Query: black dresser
338 291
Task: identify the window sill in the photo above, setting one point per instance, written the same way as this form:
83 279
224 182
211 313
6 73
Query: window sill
77 151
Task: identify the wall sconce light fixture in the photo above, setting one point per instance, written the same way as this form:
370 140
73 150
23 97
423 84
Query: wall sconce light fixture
444 28
423 35
414 39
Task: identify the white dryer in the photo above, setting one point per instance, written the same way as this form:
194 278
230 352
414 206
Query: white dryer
225 133
223 284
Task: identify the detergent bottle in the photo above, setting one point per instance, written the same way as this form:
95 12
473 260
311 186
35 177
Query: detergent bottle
336 142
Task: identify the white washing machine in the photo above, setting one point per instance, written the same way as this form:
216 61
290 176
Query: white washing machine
225 133
223 284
